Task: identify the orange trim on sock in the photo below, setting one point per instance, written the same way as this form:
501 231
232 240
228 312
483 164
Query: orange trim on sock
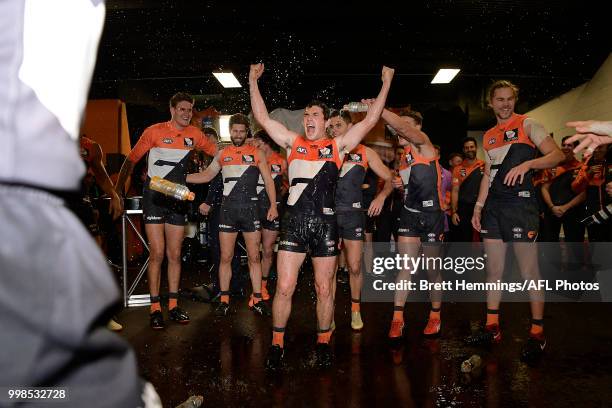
155 307
398 315
434 315
355 307
172 303
225 298
324 337
492 319
536 330
278 339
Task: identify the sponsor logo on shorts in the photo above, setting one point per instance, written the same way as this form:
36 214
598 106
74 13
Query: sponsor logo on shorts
358 234
357 205
225 226
517 236
153 218
428 203
248 158
330 243
288 243
328 211
227 159
359 229
517 229
326 152
167 140
275 168
525 194
188 141
492 141
403 230
484 231
511 135
302 150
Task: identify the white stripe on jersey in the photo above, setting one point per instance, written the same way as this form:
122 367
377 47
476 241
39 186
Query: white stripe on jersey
346 167
232 171
168 156
301 169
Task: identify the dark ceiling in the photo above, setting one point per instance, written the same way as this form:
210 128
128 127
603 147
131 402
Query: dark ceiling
334 51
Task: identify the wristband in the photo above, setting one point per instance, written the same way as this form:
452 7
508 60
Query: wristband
479 204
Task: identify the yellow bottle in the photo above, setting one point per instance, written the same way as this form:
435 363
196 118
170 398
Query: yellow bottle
171 189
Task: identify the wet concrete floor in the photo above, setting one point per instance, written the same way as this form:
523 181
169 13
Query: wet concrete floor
223 358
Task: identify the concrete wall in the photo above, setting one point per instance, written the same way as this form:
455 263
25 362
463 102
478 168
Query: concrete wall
592 100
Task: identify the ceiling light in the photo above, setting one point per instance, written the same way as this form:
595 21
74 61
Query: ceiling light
227 79
444 76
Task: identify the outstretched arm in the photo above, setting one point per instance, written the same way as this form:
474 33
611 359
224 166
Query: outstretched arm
404 129
358 131
205 175
277 131
590 133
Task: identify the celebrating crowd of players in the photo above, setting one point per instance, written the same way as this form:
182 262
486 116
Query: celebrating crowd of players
331 188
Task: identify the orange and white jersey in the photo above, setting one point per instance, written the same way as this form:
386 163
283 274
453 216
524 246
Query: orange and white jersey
278 167
349 193
240 171
313 174
422 181
506 146
169 149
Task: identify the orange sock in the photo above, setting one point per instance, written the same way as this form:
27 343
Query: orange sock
537 327
398 314
155 307
492 317
324 337
278 336
225 297
355 305
172 300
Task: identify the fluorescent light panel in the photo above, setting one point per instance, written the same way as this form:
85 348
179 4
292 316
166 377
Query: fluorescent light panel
227 79
444 76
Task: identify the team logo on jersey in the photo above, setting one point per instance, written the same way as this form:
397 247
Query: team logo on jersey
167 140
227 159
302 150
248 158
326 152
511 135
355 157
275 168
492 141
188 141
463 172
